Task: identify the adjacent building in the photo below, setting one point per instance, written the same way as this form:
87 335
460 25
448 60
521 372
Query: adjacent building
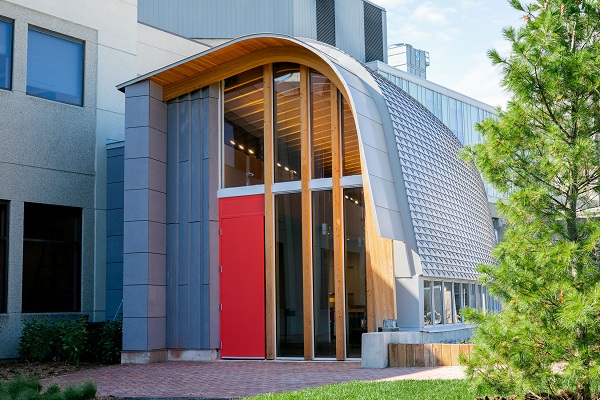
59 65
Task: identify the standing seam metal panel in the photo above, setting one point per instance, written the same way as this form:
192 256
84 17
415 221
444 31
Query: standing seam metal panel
350 28
186 214
224 18
326 21
373 24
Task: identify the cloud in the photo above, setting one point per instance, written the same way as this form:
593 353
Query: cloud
431 14
480 80
470 4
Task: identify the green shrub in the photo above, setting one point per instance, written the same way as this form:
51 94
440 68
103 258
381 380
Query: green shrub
104 342
110 343
36 340
20 388
70 340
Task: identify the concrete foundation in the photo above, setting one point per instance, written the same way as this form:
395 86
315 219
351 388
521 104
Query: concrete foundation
155 356
375 352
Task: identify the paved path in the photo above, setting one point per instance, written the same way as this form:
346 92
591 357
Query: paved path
232 379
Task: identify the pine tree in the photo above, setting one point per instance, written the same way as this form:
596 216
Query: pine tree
543 153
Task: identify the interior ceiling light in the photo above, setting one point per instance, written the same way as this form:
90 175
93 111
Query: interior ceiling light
232 142
241 147
250 151
279 165
287 169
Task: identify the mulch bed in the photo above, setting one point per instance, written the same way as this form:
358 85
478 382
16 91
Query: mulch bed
9 369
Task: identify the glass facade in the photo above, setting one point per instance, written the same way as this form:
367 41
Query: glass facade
6 47
457 115
243 129
51 259
448 306
287 122
438 303
444 300
54 68
355 270
323 274
288 275
320 102
350 147
243 158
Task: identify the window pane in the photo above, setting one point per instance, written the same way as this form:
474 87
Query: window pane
6 38
427 309
466 295
287 122
3 255
51 258
54 68
350 149
355 270
320 98
457 303
243 147
323 290
288 275
472 297
438 303
448 302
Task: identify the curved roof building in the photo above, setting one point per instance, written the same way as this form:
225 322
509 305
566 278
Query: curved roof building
282 199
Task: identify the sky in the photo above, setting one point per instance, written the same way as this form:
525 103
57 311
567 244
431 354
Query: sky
457 34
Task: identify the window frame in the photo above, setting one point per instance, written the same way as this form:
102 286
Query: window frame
4 270
76 213
44 31
12 50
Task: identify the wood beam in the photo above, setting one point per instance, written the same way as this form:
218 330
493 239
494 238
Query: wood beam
269 215
307 273
381 286
338 231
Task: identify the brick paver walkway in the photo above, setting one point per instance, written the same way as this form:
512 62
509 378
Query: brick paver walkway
231 379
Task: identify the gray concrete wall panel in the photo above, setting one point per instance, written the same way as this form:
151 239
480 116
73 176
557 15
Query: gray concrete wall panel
145 224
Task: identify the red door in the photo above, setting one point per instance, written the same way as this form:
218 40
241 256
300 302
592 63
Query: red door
242 250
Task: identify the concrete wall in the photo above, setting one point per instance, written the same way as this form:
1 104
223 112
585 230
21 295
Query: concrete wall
47 155
156 49
375 345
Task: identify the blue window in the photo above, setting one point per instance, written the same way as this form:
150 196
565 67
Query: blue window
6 39
54 68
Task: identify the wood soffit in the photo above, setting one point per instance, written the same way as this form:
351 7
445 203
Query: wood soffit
217 64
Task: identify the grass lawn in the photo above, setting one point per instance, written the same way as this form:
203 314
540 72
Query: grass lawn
397 390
